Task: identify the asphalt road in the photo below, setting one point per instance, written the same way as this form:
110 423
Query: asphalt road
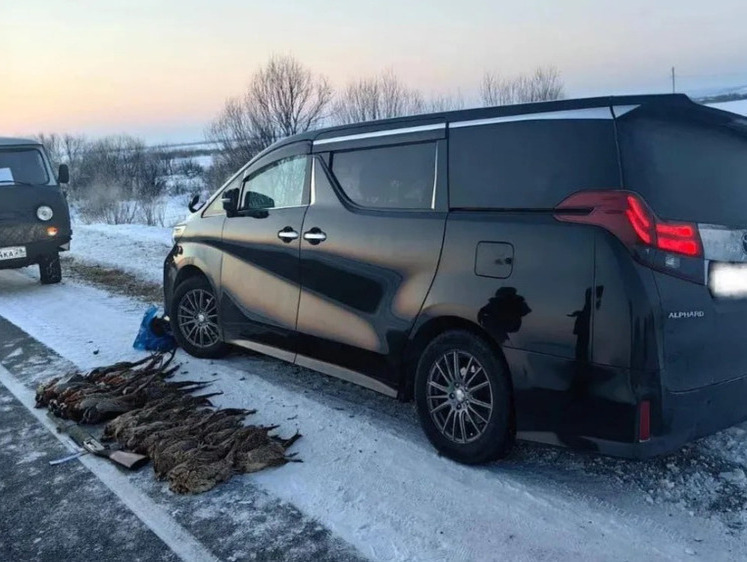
88 509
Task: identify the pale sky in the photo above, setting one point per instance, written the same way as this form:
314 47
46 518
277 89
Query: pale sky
161 69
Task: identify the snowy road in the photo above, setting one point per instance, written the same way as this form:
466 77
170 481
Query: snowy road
370 485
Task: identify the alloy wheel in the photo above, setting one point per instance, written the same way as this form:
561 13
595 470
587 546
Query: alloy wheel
459 396
198 318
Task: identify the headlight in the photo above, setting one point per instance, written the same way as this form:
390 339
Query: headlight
177 232
44 213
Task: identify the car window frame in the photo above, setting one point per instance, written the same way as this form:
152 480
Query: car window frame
296 148
249 175
439 159
217 199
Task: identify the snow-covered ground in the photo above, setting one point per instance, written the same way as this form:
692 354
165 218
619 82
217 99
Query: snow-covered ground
733 106
134 248
370 476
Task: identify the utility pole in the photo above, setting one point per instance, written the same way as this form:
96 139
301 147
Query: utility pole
674 89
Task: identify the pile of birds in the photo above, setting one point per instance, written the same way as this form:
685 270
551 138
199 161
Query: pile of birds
192 444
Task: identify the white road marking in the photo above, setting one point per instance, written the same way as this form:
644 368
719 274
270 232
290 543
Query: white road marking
176 537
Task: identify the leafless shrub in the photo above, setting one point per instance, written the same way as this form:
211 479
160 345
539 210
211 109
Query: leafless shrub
544 84
107 204
446 102
189 168
65 149
117 180
283 98
151 212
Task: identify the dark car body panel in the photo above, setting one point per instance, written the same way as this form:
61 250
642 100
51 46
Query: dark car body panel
260 279
204 255
358 304
582 324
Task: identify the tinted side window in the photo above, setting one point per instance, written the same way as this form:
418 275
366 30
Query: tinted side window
530 164
392 177
281 184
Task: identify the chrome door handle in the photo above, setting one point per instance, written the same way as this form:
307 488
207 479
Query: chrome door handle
287 234
314 236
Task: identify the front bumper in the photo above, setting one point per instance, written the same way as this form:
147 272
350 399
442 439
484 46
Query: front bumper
35 251
169 279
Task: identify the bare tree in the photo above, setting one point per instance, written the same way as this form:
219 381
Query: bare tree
73 148
53 145
378 97
544 84
289 99
444 102
283 98
65 149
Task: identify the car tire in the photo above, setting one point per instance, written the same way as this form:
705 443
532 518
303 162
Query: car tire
50 269
452 410
194 319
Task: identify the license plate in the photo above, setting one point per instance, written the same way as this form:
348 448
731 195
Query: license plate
13 253
729 279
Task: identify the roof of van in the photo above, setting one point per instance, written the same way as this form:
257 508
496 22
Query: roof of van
10 141
481 113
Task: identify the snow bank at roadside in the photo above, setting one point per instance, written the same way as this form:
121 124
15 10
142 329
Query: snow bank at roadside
136 249
133 248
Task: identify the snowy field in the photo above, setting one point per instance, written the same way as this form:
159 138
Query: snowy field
733 106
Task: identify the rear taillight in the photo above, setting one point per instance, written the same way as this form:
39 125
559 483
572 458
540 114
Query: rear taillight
627 216
644 421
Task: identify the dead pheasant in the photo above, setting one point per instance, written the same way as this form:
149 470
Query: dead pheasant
201 473
192 444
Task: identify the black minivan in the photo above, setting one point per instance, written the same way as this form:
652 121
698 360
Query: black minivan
571 272
34 214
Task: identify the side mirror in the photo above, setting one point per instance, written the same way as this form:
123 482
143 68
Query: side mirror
231 202
63 174
192 206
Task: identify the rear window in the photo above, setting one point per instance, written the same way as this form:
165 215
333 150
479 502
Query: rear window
530 164
22 165
686 170
393 177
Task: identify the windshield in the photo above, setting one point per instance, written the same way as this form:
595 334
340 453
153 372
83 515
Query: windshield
22 165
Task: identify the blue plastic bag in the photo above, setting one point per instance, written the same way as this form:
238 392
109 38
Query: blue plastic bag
153 334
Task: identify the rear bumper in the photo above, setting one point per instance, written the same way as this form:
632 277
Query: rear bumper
35 251
686 416
599 411
705 411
